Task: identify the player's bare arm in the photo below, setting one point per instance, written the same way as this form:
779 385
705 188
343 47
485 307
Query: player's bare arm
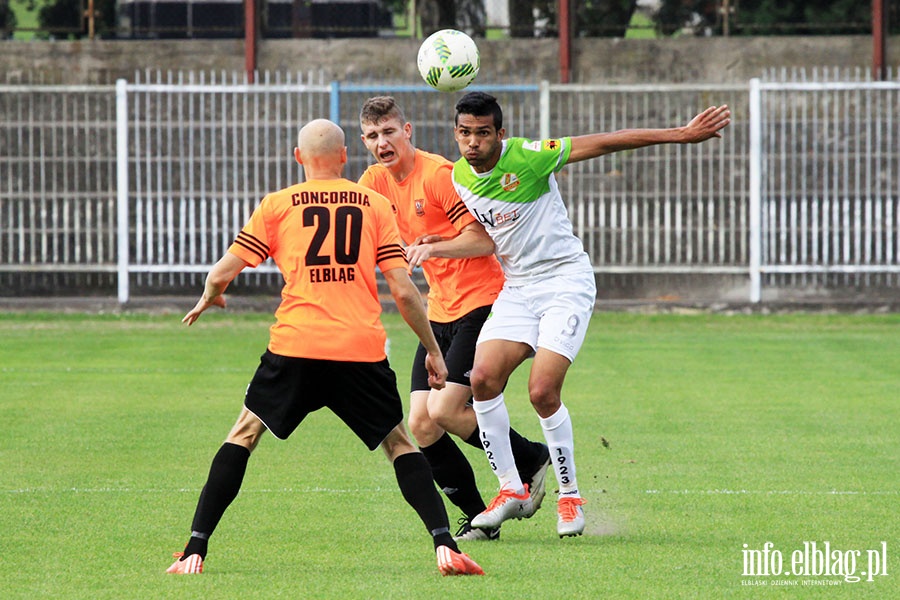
412 309
472 241
706 125
218 279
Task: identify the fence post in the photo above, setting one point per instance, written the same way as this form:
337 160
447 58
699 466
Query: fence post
545 110
335 104
755 207
122 216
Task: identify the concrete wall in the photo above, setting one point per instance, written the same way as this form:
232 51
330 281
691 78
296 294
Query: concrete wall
594 60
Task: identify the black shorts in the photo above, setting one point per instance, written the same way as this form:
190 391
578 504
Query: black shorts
457 341
363 395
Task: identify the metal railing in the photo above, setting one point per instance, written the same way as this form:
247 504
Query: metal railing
143 186
825 194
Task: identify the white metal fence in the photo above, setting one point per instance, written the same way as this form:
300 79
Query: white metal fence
825 185
141 187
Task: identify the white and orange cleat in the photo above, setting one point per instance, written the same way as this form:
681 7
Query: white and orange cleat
192 565
507 505
571 516
456 563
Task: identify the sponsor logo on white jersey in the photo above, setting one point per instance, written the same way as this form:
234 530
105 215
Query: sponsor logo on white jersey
509 181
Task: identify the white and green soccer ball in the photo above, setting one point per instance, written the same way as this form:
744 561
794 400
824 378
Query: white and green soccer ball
448 60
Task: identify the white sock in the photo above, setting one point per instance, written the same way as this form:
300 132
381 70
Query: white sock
558 433
493 422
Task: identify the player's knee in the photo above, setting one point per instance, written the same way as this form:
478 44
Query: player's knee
485 384
247 432
397 443
443 414
423 428
544 396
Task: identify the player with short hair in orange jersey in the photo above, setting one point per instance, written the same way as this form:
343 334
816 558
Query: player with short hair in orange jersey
464 278
327 346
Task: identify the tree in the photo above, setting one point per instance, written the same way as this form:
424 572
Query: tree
465 15
767 17
602 18
7 20
590 18
823 16
65 18
526 15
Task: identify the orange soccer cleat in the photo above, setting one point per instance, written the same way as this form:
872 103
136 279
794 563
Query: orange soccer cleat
456 563
571 516
192 565
507 505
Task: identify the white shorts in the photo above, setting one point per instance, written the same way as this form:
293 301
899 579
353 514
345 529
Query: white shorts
552 314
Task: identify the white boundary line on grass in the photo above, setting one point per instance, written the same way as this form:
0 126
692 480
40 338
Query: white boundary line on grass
776 492
121 370
111 490
326 490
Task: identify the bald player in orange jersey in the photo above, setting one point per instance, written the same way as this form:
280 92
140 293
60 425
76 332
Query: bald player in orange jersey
464 277
327 346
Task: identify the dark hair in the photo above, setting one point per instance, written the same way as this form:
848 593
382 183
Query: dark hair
479 104
377 108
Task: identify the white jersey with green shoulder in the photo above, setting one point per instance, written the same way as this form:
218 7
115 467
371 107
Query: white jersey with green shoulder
520 206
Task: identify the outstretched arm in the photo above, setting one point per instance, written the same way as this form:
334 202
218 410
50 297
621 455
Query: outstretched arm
472 241
222 274
708 124
412 309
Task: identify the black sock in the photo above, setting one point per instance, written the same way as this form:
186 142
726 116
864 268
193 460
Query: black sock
415 481
527 454
454 475
222 485
474 440
196 545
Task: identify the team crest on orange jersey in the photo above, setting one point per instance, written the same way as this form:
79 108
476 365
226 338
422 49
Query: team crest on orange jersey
420 208
509 181
551 144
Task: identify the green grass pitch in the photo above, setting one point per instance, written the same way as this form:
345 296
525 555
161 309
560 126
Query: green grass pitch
699 438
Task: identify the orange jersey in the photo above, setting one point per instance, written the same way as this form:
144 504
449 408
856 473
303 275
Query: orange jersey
326 236
425 202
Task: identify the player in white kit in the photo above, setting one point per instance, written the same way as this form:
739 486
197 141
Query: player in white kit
546 303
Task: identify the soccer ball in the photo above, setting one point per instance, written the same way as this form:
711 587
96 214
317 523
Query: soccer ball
448 60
